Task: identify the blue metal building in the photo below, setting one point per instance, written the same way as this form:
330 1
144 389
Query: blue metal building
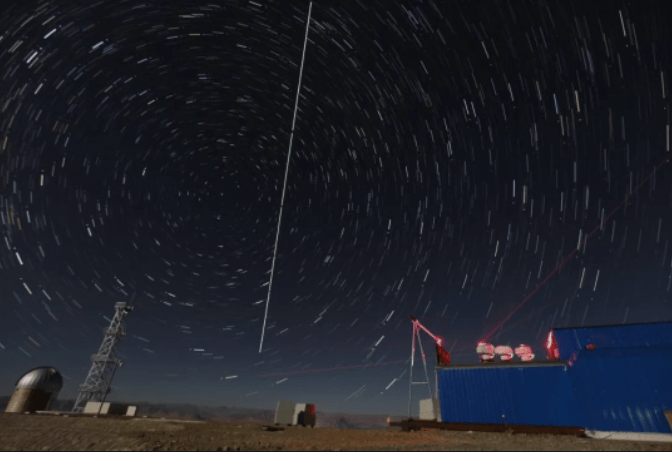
612 378
573 340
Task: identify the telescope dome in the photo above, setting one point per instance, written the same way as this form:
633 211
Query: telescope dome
45 379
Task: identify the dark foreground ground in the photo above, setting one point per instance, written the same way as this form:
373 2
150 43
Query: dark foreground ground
44 432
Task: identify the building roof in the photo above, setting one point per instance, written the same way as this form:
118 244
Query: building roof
572 340
45 379
499 365
645 324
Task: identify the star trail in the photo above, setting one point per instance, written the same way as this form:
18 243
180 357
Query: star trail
494 169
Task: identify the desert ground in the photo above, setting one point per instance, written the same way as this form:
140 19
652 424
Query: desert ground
48 432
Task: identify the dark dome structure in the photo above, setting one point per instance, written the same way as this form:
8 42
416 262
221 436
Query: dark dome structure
45 379
35 390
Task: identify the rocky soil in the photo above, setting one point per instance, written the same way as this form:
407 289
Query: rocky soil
46 432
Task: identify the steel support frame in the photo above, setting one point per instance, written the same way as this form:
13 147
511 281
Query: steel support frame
104 363
416 332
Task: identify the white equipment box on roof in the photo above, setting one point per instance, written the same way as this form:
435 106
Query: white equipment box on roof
284 413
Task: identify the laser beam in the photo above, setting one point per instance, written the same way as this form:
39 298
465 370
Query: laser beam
570 255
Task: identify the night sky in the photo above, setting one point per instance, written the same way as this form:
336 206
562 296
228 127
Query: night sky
449 159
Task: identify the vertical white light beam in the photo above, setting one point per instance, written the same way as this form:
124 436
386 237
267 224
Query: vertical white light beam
284 186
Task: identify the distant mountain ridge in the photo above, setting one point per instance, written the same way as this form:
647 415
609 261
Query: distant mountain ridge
233 414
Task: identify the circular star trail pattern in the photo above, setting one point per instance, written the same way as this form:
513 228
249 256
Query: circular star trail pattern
447 157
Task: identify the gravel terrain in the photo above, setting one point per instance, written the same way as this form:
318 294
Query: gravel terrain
45 432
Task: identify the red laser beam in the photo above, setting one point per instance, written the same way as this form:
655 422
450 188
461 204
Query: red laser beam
329 369
569 256
533 313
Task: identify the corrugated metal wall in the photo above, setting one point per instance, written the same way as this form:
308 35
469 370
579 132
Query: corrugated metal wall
624 389
528 394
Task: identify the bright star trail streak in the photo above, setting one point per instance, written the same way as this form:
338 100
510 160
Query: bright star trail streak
569 256
284 185
331 369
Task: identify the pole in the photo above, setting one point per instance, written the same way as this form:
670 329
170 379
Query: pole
284 186
410 378
424 364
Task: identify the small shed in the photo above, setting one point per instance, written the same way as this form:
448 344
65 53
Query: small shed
284 413
113 409
429 410
304 415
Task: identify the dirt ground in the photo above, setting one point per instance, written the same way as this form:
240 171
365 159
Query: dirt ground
45 432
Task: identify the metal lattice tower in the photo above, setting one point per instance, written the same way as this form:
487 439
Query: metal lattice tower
104 363
417 326
411 383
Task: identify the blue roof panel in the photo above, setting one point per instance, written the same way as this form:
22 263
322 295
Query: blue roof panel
571 340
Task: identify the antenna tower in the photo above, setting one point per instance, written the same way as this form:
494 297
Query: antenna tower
104 363
417 326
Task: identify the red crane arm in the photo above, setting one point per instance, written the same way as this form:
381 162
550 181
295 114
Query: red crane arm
417 323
